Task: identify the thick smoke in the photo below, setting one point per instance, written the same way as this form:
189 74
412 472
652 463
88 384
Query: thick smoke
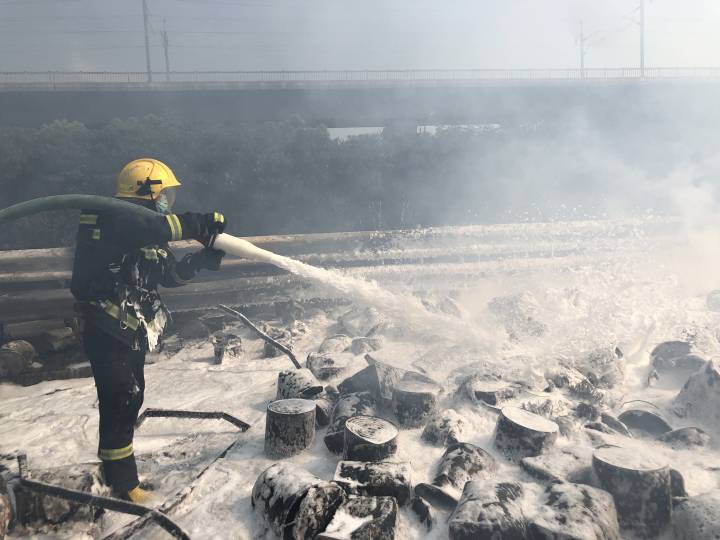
330 34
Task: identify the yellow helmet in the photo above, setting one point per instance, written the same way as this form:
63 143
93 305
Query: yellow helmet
144 179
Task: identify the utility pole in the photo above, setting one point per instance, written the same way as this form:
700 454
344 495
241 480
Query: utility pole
166 44
642 38
582 50
147 40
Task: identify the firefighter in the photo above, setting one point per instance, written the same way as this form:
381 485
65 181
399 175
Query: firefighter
120 260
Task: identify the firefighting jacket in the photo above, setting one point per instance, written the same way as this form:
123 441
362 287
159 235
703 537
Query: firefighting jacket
121 259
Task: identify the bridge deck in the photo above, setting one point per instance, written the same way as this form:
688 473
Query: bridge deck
253 80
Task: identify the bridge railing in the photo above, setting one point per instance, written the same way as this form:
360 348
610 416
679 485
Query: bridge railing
53 79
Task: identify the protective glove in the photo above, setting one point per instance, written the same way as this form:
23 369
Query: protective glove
211 225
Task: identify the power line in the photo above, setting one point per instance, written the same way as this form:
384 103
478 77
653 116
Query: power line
194 18
51 18
73 17
43 50
240 3
80 32
601 35
631 15
18 2
238 33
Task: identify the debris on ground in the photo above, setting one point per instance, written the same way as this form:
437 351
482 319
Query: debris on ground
522 412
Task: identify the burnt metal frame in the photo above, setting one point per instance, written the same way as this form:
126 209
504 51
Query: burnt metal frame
200 415
97 501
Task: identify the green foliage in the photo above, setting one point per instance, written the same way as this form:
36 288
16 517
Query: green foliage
267 178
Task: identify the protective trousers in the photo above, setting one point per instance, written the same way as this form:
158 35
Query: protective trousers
120 382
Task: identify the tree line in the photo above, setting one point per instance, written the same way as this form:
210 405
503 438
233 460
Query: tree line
287 177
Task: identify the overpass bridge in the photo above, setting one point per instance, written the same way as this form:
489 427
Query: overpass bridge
354 97
205 80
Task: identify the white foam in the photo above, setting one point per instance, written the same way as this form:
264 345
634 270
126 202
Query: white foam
637 299
404 309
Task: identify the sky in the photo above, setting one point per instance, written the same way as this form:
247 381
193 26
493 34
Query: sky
211 35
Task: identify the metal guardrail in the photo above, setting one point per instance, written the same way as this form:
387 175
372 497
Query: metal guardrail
34 283
52 79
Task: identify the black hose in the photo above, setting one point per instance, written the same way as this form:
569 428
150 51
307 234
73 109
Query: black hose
62 202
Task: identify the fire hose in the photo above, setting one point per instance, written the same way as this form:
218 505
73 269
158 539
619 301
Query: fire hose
228 243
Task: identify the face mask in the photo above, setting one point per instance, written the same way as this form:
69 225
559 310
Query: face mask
162 204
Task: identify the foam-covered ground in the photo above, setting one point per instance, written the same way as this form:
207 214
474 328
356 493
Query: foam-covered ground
635 297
